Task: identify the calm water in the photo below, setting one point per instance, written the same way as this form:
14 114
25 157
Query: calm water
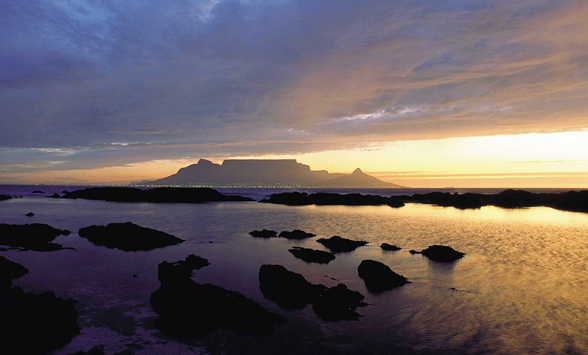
522 287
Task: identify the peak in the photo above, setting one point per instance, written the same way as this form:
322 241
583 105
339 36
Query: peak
205 162
357 171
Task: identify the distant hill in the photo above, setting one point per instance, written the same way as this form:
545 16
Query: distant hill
257 173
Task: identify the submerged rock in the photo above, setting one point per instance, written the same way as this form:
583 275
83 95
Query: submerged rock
266 233
379 277
386 246
442 253
296 234
187 308
181 268
292 291
128 237
312 255
35 236
341 245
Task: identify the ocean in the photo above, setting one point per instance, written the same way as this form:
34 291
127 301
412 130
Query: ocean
522 287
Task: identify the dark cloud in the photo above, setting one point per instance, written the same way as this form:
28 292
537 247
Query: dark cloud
187 78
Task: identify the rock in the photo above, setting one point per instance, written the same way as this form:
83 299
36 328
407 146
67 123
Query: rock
288 289
38 192
35 236
128 237
30 214
55 195
386 246
412 251
36 323
321 198
180 269
96 350
341 245
291 291
296 234
442 253
379 277
157 195
5 197
338 303
266 233
187 308
312 256
9 270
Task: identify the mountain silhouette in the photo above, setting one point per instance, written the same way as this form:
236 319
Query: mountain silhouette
258 173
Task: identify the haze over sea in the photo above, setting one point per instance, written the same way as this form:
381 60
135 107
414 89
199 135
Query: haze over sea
520 289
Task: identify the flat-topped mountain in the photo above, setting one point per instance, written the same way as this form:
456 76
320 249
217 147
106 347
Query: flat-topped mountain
254 173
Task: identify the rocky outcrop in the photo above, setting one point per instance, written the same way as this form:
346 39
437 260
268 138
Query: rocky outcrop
296 234
157 195
35 236
292 291
266 233
187 308
442 253
379 277
312 255
5 197
181 268
303 199
386 246
32 323
341 245
128 237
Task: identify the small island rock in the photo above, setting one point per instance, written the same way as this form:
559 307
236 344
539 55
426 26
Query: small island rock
386 246
312 255
442 253
379 277
296 234
266 233
341 245
128 237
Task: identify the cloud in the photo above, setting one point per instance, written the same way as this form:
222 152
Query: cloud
188 78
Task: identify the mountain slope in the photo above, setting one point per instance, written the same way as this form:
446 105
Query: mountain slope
357 179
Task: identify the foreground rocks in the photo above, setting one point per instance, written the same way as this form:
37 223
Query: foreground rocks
181 268
5 197
303 199
312 255
128 237
35 236
341 245
292 291
32 323
187 308
379 277
157 195
442 253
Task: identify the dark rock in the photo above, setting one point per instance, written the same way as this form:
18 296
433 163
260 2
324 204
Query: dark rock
338 303
412 251
379 277
266 233
441 253
38 192
35 323
187 308
288 289
296 234
30 214
291 291
575 201
386 246
55 195
303 199
180 269
128 237
35 236
312 255
341 245
157 195
9 270
5 197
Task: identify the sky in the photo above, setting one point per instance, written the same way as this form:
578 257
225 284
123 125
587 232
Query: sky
423 93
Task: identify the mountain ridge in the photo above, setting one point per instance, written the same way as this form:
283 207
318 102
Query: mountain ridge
263 173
